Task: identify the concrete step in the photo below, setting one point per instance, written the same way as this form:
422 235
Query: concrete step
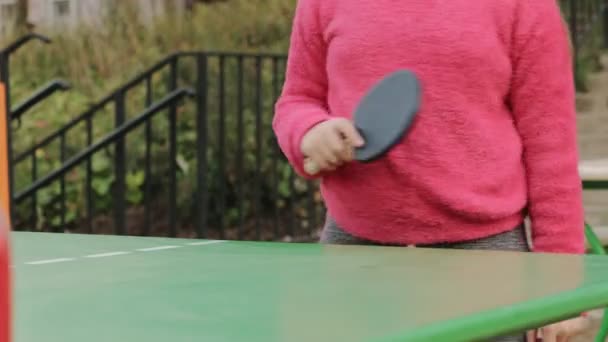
593 149
600 136
602 233
592 118
595 201
596 213
593 153
593 169
597 210
596 221
593 128
600 132
593 146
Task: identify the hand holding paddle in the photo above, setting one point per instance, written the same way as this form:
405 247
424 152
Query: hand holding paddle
382 117
330 144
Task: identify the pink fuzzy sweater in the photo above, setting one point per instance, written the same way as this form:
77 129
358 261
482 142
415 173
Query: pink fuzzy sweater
494 141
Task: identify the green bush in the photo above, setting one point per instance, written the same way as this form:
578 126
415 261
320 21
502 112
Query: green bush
96 61
588 61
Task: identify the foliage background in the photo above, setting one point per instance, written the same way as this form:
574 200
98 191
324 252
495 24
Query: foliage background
96 60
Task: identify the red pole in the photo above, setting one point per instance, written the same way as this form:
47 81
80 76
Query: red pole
5 282
5 278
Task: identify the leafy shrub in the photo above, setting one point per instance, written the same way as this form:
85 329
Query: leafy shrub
97 60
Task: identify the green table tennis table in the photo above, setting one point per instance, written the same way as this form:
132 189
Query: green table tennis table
74 288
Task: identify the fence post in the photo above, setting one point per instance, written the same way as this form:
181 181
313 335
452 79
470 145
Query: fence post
201 144
574 32
6 182
172 86
5 191
5 211
119 166
605 22
6 156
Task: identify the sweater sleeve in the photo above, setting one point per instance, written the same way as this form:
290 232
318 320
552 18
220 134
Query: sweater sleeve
302 103
543 103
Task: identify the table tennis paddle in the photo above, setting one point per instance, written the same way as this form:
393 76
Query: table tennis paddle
383 116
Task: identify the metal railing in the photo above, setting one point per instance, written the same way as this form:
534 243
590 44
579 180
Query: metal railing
210 168
83 125
584 18
5 57
37 97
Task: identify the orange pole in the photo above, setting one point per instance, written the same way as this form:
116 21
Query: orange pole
5 278
4 179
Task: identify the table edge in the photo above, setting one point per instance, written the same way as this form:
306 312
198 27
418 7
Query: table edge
511 319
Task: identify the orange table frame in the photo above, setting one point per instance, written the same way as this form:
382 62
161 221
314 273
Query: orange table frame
4 176
5 279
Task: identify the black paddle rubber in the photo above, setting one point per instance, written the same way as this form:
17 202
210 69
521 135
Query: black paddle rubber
386 113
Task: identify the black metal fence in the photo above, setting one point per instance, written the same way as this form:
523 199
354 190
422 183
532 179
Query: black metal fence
588 24
14 114
208 167
183 149
582 17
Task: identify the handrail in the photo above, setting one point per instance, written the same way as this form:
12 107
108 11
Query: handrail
41 94
97 106
130 84
116 99
222 53
128 126
11 48
5 79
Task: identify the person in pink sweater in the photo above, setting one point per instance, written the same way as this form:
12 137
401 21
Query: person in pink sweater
494 141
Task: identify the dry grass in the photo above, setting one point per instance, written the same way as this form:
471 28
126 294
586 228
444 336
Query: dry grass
97 59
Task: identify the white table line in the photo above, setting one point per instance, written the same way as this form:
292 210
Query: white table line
104 255
49 261
117 253
157 248
203 243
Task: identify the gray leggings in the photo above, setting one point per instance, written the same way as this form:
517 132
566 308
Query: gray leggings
513 240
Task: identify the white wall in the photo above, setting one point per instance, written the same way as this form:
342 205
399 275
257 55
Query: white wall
90 11
44 13
47 13
8 9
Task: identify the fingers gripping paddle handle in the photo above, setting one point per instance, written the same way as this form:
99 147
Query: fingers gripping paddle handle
311 167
